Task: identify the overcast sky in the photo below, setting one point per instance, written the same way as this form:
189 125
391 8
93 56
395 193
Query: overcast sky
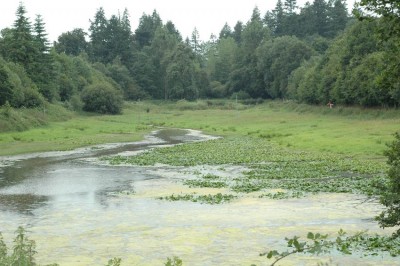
208 16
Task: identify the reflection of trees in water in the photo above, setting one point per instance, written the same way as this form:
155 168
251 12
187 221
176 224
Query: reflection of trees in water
22 203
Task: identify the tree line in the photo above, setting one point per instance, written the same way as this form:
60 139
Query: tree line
313 54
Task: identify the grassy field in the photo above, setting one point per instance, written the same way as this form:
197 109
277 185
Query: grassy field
348 131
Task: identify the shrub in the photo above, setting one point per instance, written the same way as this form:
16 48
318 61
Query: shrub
102 98
240 95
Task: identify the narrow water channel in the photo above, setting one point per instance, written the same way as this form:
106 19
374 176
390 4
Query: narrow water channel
82 213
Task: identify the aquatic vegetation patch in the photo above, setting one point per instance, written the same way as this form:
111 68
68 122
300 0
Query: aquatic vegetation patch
207 199
283 195
271 166
205 183
122 193
362 185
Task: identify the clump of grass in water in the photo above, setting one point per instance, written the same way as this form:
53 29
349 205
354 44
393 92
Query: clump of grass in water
208 199
283 195
205 183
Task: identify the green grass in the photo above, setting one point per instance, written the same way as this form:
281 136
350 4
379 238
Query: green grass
75 131
348 131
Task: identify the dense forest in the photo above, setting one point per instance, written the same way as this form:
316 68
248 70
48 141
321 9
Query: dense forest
313 54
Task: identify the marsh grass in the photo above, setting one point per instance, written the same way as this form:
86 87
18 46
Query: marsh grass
218 198
271 167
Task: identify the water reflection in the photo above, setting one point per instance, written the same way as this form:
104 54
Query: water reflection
27 182
23 204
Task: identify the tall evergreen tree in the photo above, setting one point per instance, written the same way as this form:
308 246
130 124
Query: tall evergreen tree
98 37
245 75
338 17
23 48
237 32
148 25
320 17
172 30
225 32
125 38
195 42
279 18
290 6
41 35
43 72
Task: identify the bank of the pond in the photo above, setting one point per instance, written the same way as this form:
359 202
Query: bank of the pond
350 131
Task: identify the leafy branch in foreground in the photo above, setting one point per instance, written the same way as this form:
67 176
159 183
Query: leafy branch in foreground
391 197
23 251
317 244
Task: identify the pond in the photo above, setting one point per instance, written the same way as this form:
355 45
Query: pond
81 211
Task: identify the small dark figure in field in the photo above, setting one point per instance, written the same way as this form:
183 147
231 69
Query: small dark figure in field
330 104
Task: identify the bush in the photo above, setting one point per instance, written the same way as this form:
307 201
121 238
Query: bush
240 95
102 98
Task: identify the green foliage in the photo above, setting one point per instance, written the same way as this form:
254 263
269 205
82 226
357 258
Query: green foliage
120 73
277 59
102 98
283 195
317 243
114 262
205 183
72 42
5 86
325 18
350 72
388 9
175 261
218 198
272 167
23 251
180 75
13 119
391 196
148 25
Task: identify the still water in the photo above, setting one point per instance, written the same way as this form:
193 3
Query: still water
82 212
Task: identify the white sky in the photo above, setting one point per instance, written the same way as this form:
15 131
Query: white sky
208 16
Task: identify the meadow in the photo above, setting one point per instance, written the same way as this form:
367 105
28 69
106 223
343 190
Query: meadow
342 130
